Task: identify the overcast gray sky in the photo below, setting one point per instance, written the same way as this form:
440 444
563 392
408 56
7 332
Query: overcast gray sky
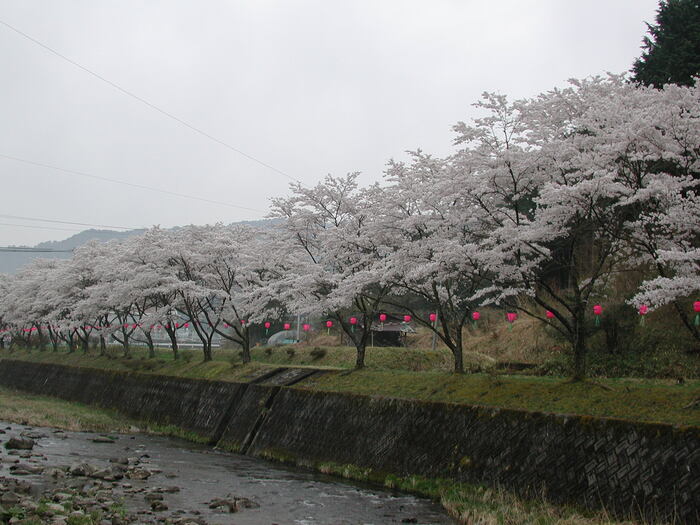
309 87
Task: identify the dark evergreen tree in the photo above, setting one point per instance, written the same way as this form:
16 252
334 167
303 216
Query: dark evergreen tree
672 51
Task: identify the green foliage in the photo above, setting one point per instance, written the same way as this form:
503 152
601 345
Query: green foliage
672 51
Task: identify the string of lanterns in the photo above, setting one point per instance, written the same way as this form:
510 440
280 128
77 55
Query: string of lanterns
511 317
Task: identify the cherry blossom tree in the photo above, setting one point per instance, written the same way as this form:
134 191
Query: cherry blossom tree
335 252
542 176
435 251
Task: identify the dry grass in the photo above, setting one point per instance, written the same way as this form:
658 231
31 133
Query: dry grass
40 411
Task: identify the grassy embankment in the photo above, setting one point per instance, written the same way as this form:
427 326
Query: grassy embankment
420 374
468 503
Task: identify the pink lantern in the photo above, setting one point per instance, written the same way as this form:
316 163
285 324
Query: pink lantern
511 316
225 325
306 327
432 317
353 321
549 314
125 325
597 311
186 325
406 318
382 317
267 325
329 324
476 316
696 308
287 326
243 322
643 310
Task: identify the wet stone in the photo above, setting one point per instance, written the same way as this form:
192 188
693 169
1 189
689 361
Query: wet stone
19 443
22 469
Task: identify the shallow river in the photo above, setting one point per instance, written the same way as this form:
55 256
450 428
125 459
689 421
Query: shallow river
285 495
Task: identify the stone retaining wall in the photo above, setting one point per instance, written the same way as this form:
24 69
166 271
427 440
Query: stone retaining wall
629 468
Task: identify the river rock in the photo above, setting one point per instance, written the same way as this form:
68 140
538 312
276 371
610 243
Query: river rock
108 474
9 498
138 473
232 504
56 508
33 434
81 469
158 506
55 472
153 496
20 443
62 496
22 469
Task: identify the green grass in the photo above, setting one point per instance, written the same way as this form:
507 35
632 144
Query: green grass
659 401
472 503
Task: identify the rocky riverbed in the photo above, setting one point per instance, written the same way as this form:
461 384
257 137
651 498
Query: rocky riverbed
56 477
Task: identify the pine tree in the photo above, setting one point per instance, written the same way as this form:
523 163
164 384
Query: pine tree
672 51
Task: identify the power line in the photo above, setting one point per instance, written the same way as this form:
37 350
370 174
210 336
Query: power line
133 185
65 222
39 227
16 249
147 103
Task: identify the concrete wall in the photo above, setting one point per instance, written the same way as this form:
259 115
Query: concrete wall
645 469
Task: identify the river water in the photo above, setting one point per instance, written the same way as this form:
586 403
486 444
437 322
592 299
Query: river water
285 495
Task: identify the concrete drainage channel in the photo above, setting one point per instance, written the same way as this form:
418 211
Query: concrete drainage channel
648 470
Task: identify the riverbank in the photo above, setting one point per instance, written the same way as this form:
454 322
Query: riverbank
468 503
645 400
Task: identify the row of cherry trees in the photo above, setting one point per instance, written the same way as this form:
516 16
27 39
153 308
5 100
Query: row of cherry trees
543 204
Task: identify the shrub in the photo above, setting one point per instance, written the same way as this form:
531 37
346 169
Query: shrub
318 353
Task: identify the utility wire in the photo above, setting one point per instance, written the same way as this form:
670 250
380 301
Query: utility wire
16 249
39 227
133 185
36 219
147 103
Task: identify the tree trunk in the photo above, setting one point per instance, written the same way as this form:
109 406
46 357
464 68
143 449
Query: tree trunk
457 352
360 361
42 339
151 348
579 347
245 345
206 350
103 346
125 344
173 343
687 321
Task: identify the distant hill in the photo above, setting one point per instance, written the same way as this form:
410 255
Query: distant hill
11 262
